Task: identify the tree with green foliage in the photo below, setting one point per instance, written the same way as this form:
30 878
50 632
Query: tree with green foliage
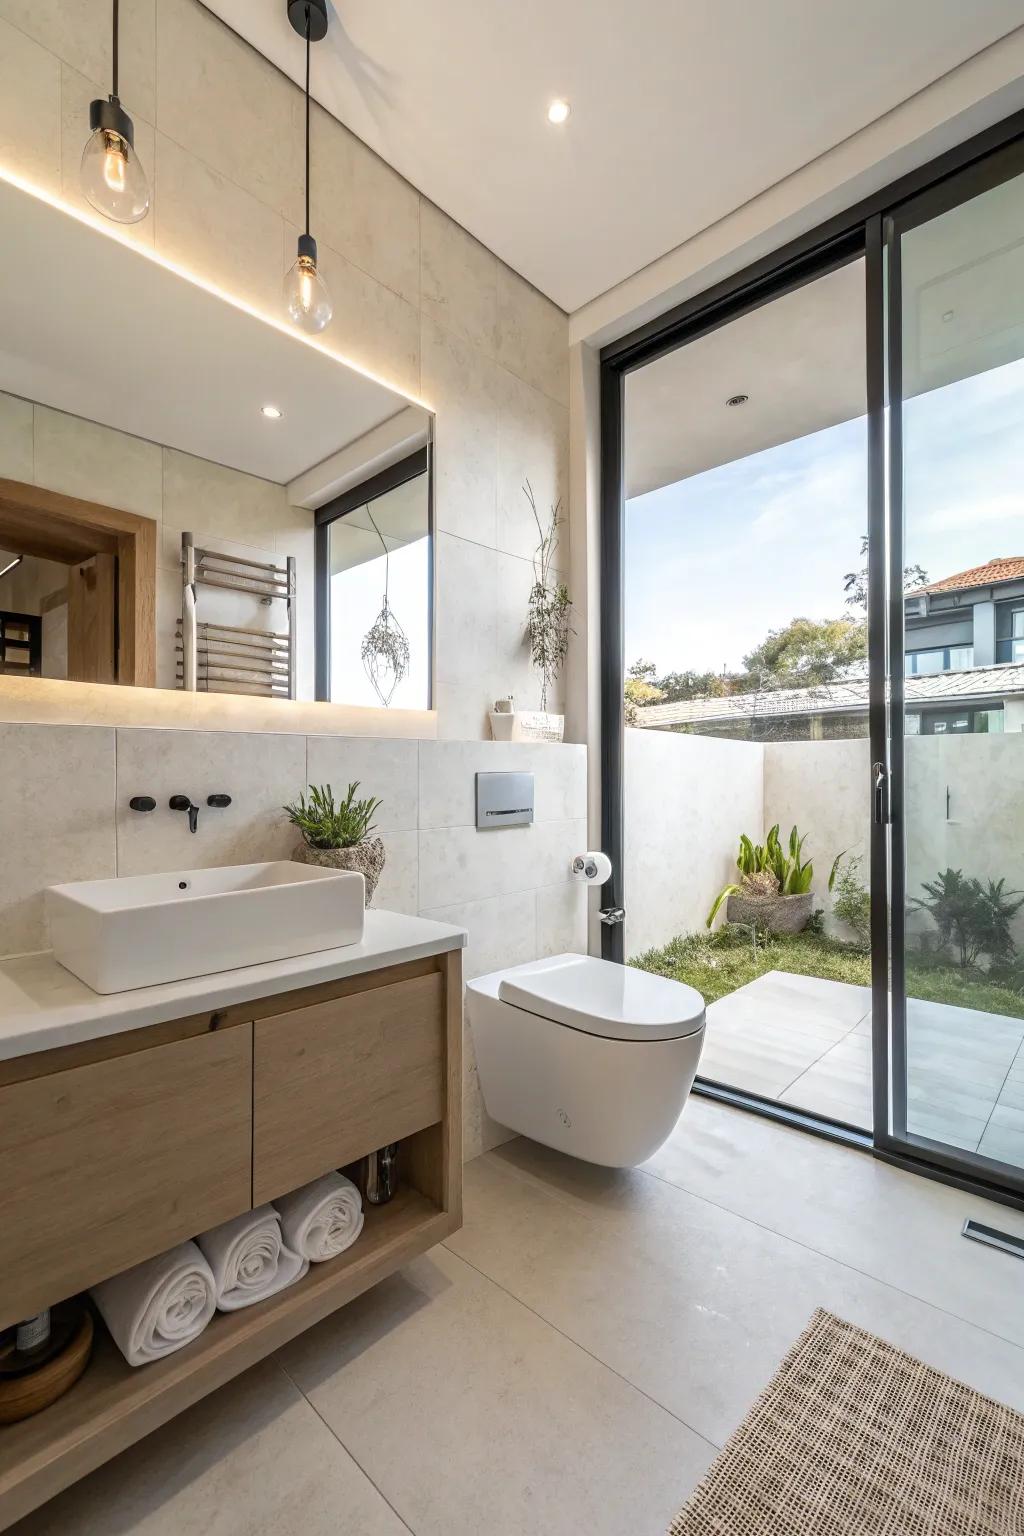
807 653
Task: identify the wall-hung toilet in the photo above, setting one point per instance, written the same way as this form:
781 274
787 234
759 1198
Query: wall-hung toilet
589 1057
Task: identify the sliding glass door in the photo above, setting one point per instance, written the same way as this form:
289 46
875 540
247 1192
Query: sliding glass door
950 668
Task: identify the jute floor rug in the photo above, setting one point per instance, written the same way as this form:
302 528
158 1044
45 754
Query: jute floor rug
854 1438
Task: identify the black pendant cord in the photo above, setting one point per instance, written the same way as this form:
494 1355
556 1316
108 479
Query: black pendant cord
113 72
307 116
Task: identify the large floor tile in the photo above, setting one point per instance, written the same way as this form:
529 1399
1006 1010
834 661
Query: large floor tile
252 1460
690 1303
896 1226
474 1416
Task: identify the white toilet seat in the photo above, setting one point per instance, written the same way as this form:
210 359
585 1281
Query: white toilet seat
591 1058
602 998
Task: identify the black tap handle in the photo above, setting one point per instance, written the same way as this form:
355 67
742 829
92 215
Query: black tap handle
142 803
180 803
218 801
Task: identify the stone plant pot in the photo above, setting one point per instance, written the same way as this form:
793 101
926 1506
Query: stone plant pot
777 914
366 859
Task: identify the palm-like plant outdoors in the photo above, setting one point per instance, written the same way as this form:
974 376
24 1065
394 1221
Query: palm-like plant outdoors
972 918
768 869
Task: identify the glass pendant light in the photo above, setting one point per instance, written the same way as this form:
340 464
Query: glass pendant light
306 297
112 177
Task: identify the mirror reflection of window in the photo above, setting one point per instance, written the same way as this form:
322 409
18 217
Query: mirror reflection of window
375 569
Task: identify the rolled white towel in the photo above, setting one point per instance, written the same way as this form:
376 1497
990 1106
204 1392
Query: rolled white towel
160 1305
249 1259
321 1219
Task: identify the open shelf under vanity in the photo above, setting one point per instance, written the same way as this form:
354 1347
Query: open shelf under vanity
397 1035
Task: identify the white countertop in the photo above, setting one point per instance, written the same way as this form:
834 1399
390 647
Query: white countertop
42 1005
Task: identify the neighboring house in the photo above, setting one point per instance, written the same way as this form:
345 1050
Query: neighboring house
964 643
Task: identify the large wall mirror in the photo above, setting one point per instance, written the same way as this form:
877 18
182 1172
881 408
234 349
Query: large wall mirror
191 498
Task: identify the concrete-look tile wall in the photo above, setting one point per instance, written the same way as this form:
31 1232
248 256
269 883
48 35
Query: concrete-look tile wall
226 510
64 815
417 300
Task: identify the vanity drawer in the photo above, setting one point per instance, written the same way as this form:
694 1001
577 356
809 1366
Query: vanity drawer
334 1081
104 1165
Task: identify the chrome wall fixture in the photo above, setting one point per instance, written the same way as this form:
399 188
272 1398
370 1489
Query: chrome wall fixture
113 180
306 298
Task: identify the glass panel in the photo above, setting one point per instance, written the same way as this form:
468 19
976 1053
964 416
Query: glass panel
747 690
962 306
1018 623
379 560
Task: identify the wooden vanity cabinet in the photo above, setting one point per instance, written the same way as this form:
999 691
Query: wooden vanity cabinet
105 1164
116 1149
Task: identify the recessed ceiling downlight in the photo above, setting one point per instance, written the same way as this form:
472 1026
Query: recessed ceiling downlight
558 111
271 412
737 400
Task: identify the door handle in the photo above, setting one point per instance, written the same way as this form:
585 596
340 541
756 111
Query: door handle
879 789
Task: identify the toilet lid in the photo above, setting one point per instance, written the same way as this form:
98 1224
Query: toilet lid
602 998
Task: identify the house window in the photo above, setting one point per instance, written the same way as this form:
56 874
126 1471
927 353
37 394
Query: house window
955 722
943 658
1009 633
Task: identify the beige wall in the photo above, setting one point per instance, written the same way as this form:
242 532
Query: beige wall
687 799
417 301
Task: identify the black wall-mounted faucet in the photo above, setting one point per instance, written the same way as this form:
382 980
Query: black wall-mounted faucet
184 803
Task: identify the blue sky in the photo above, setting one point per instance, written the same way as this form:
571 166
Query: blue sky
714 562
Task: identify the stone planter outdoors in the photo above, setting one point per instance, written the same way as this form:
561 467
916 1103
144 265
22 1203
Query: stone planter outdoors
366 859
777 914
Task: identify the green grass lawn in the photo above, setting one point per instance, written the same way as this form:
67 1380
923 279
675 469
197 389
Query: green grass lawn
717 963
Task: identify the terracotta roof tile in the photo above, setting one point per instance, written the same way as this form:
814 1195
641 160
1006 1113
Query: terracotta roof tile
1007 568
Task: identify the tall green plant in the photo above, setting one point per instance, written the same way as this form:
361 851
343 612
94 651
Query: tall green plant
791 873
549 612
972 918
325 824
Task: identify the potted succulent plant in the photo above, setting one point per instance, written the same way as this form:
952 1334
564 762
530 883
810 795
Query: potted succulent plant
775 889
336 835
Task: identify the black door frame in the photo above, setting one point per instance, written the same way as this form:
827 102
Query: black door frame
862 230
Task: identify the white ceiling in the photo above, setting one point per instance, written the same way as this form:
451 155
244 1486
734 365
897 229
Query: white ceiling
681 112
94 327
800 359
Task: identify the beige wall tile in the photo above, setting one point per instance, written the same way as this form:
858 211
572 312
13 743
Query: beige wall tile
562 919
29 109
227 106
384 769
220 503
398 889
513 668
364 209
463 386
217 230
372 326
463 709
533 444
76 92
81 458
56 820
261 773
502 931
466 600
459 864
15 438
532 336
79 32
459 278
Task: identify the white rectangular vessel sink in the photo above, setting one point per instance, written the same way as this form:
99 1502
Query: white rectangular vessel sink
140 930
